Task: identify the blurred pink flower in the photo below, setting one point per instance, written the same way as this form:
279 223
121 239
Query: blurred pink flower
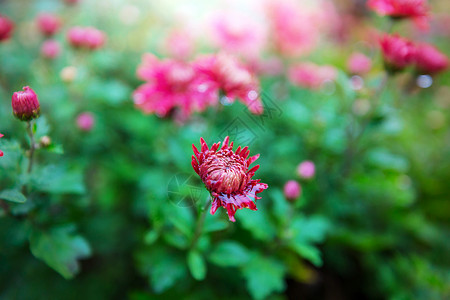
50 49
429 59
294 31
171 84
238 34
48 23
224 73
398 52
266 66
306 169
6 28
310 75
1 152
85 121
86 37
416 9
179 44
72 2
292 190
359 63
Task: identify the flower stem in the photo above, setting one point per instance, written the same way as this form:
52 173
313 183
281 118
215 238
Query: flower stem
32 147
199 225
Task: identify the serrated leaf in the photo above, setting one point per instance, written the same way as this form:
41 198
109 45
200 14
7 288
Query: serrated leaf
196 265
12 196
60 248
230 254
264 276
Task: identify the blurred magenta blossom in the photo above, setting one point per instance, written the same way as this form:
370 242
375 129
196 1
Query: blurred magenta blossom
1 152
429 59
359 63
310 75
50 49
398 52
48 23
306 169
292 190
416 9
6 28
85 121
86 37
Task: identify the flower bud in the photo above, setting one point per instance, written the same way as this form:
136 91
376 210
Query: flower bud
430 60
50 49
45 141
306 169
25 104
48 24
85 121
292 190
398 52
6 28
359 64
68 74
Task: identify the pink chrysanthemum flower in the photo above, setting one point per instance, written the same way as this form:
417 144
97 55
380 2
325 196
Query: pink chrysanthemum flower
429 59
310 75
25 104
416 9
227 176
398 52
48 23
1 152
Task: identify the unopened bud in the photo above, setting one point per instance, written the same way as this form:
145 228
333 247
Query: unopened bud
25 104
45 141
292 190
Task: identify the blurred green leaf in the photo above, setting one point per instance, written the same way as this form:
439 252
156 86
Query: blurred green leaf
257 222
58 180
196 265
264 276
230 254
60 248
13 196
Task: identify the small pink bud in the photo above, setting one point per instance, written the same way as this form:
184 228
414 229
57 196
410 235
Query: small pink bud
6 28
306 169
292 190
45 141
25 104
48 24
75 36
94 38
72 2
85 121
50 49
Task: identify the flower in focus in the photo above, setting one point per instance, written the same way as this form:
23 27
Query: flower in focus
48 24
416 9
294 31
25 104
398 52
306 169
171 85
429 59
224 73
6 28
310 75
85 121
292 190
86 37
227 176
1 152
359 64
50 49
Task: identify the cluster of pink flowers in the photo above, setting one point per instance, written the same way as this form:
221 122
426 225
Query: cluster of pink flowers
416 9
310 75
86 37
399 53
184 87
6 28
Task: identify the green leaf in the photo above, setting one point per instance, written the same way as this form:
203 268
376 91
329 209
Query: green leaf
58 180
196 265
306 251
264 276
13 196
60 248
212 223
230 254
258 223
55 148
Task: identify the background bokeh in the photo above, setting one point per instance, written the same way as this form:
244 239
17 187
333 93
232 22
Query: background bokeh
112 205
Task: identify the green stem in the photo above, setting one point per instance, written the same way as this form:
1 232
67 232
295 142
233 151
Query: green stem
199 225
32 147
